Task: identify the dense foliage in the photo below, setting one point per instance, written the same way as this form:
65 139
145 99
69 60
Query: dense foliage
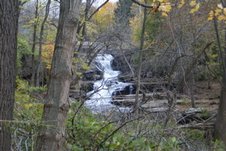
181 47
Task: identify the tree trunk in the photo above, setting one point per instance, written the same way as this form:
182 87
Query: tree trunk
140 58
52 135
84 24
34 43
9 13
220 124
40 75
123 15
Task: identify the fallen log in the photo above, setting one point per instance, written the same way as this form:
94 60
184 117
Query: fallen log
197 115
199 126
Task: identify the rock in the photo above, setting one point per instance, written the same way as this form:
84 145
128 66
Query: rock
119 64
125 78
86 86
123 103
130 89
92 75
75 94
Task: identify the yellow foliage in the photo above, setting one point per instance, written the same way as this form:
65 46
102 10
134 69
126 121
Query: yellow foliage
219 13
165 8
193 3
164 14
135 24
181 3
104 17
161 1
195 8
28 105
224 11
221 17
211 15
47 54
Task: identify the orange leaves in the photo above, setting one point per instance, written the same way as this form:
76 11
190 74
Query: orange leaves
47 54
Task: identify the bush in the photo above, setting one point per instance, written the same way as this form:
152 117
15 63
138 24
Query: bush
86 131
27 115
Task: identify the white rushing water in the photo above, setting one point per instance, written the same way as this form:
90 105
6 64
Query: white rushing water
101 96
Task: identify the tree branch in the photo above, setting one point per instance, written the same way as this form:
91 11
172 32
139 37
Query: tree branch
98 9
143 5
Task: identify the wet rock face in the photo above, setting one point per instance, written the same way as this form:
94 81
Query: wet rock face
92 75
116 63
130 89
119 64
126 78
123 104
86 87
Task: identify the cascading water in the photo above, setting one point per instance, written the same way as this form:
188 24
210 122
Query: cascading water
101 96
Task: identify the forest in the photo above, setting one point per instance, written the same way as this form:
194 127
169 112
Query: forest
112 75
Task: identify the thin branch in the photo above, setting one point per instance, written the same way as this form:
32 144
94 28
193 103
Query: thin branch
98 9
143 5
116 130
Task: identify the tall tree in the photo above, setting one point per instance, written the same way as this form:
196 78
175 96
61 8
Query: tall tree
52 135
123 12
140 59
9 13
122 18
39 67
34 37
220 124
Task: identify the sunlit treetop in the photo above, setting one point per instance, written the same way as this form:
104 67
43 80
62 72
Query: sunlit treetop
165 7
219 13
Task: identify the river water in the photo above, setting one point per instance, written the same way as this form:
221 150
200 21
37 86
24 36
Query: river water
101 97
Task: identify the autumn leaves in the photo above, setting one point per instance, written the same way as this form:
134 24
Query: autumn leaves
165 7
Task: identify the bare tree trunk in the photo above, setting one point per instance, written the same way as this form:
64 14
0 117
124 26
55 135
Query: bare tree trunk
52 135
192 85
220 124
9 13
83 26
140 57
190 68
39 68
34 43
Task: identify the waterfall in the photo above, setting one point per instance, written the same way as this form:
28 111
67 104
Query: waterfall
101 96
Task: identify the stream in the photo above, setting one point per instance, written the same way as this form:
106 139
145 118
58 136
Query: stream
100 97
